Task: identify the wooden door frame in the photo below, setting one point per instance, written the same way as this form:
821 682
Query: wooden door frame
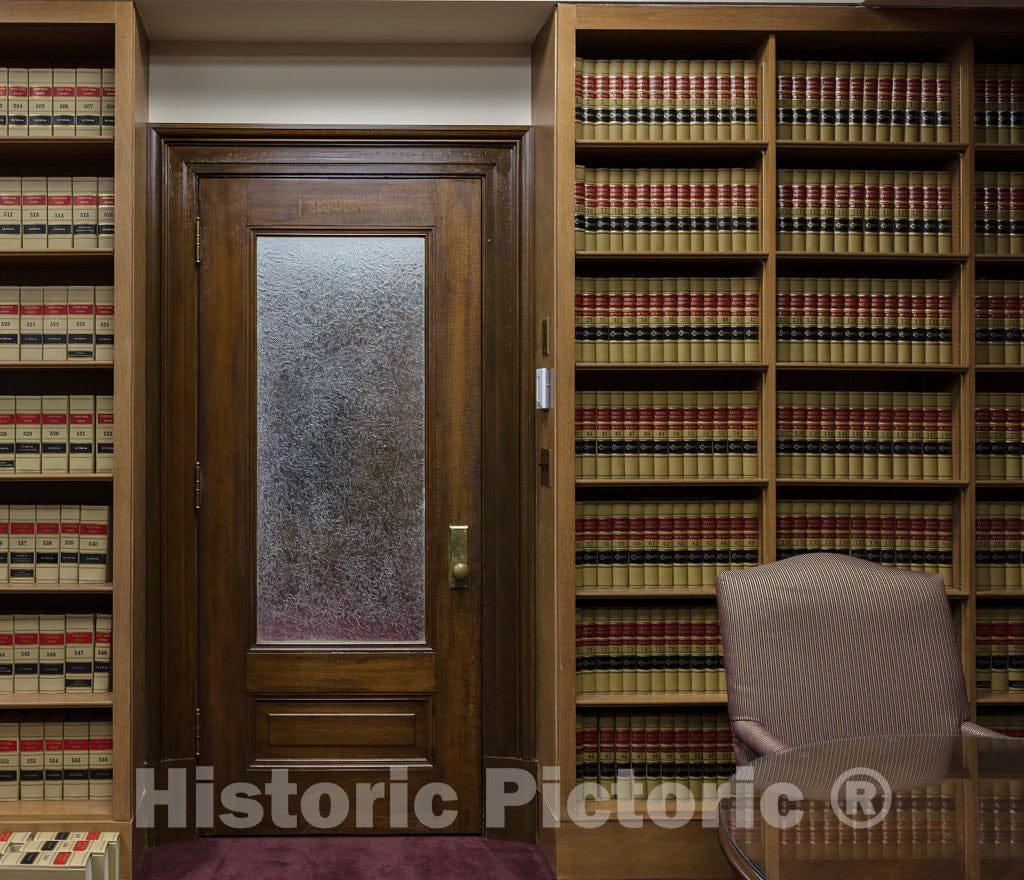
179 156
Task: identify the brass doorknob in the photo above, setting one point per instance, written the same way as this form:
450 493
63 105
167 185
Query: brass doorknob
460 571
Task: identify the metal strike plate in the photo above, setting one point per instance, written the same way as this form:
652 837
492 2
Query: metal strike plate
458 557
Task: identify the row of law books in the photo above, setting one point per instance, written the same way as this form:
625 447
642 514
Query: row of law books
864 434
57 434
56 213
56 102
667 320
666 434
999 321
666 100
57 323
1006 723
54 756
54 544
864 320
856 101
999 649
999 212
690 210
999 436
655 755
913 535
647 649
999 103
663 545
73 855
920 824
1000 831
999 545
865 211
55 653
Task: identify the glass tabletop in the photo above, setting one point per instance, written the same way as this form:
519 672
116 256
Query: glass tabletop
931 807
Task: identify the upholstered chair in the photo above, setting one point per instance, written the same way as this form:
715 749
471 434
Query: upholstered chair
824 646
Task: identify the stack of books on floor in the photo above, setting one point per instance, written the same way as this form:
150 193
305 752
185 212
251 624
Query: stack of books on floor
998 543
663 545
666 434
667 320
645 649
869 434
76 855
1000 650
999 453
856 101
913 535
998 322
865 211
864 320
669 754
666 100
685 210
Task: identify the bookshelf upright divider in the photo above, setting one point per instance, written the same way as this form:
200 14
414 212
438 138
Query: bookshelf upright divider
940 280
88 34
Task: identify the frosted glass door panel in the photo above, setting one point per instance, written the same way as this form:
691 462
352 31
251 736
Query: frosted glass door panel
340 494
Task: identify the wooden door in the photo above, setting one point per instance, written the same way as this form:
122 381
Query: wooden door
339 440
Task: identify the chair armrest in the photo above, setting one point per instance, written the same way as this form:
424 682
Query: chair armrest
969 728
757 738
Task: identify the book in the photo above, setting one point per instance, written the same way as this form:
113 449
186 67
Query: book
104 433
28 433
10 323
54 434
17 102
76 758
101 757
107 101
55 323
53 748
34 213
47 549
59 213
26 649
81 434
105 211
51 652
93 558
63 95
85 205
10 214
80 643
87 102
81 322
40 101
103 654
6 658
10 759
30 323
70 523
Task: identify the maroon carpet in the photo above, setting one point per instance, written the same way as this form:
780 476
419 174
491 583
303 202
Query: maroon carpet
348 858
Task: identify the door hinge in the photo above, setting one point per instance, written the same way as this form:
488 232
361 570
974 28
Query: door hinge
199 229
197 732
197 487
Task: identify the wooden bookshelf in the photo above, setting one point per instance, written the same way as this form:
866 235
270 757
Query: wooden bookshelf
91 33
765 34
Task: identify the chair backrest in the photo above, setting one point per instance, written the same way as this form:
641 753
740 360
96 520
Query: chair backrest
824 646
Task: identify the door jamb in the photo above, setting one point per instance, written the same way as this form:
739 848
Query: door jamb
499 157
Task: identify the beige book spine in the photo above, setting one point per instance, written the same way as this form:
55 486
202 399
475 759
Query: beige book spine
17 102
28 433
59 213
107 101
82 434
85 213
47 543
105 212
70 524
87 101
94 546
40 102
54 434
55 323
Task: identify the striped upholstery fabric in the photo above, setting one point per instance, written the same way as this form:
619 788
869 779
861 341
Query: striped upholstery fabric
824 646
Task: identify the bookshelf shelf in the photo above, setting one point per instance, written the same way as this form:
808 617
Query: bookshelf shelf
1000 484
830 257
49 152
994 259
1000 699
56 701
641 808
56 478
802 482
625 593
981 149
91 812
668 368
668 482
999 368
56 589
794 367
1010 595
611 700
667 256
57 367
672 152
84 259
